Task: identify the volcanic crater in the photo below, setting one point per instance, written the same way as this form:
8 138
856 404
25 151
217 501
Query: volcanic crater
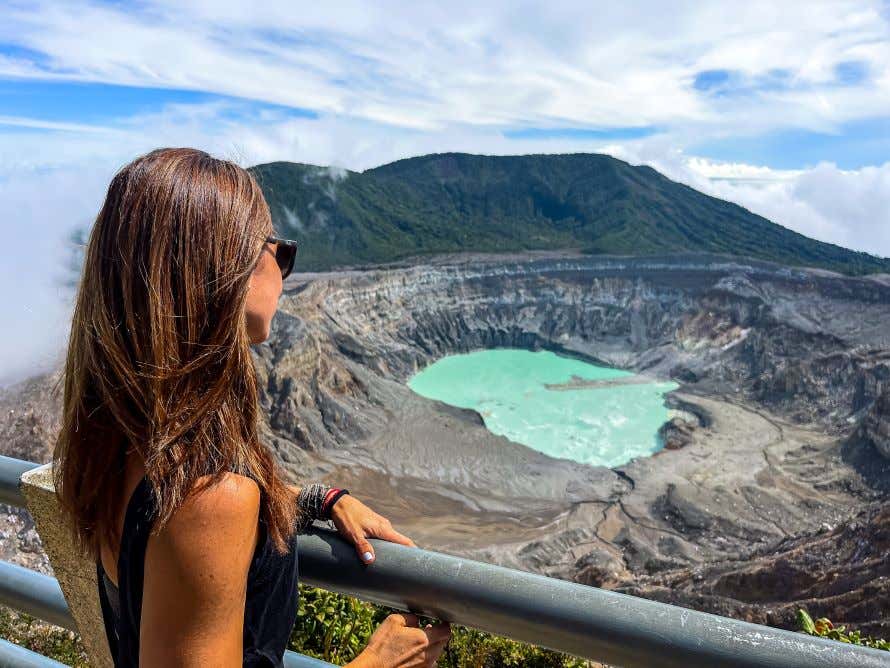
768 495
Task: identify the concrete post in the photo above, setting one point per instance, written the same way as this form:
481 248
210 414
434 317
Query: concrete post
76 575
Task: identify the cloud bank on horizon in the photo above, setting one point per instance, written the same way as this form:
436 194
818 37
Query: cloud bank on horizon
783 108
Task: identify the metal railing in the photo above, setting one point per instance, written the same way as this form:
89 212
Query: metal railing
563 616
16 656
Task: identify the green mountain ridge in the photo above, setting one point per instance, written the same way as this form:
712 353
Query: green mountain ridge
453 202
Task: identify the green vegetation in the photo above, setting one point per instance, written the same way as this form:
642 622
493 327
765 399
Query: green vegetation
823 628
459 202
60 644
336 628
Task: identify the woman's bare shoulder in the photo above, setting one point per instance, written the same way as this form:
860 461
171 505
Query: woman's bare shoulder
231 493
225 509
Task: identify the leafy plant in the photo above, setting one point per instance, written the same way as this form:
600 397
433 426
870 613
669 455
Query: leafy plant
41 637
332 626
336 628
469 648
823 628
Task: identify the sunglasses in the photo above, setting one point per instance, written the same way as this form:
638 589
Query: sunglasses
285 252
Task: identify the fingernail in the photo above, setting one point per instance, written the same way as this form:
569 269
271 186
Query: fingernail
367 556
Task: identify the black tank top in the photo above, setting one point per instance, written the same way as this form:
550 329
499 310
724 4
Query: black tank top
272 593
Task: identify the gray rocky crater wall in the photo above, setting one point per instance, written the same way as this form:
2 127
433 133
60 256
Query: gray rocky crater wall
809 345
788 371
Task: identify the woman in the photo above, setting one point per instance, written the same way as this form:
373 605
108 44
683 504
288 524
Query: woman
158 465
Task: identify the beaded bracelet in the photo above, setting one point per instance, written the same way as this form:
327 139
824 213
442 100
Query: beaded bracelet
315 501
311 498
330 499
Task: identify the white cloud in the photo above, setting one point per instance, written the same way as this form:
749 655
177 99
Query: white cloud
17 121
850 208
854 205
428 66
38 210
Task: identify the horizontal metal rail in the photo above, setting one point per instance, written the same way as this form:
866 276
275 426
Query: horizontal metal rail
564 616
16 656
35 593
11 470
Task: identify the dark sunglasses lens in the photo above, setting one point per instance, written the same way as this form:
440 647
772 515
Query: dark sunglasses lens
284 255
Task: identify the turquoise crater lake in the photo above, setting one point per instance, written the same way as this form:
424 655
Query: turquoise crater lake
558 405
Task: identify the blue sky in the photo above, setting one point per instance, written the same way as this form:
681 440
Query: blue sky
850 145
99 103
783 108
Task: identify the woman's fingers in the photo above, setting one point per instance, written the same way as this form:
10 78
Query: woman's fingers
438 637
364 549
409 618
358 536
385 531
439 633
393 536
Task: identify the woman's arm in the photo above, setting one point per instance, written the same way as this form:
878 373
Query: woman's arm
195 582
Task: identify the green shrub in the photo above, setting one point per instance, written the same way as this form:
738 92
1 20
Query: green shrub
469 648
823 628
332 626
38 636
336 628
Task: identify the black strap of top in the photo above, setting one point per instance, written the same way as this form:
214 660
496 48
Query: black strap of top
108 615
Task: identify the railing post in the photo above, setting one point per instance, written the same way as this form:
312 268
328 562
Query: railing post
76 575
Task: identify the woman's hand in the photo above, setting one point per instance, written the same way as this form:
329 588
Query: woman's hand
399 643
356 523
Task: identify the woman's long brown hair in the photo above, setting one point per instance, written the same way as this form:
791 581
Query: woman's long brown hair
158 356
